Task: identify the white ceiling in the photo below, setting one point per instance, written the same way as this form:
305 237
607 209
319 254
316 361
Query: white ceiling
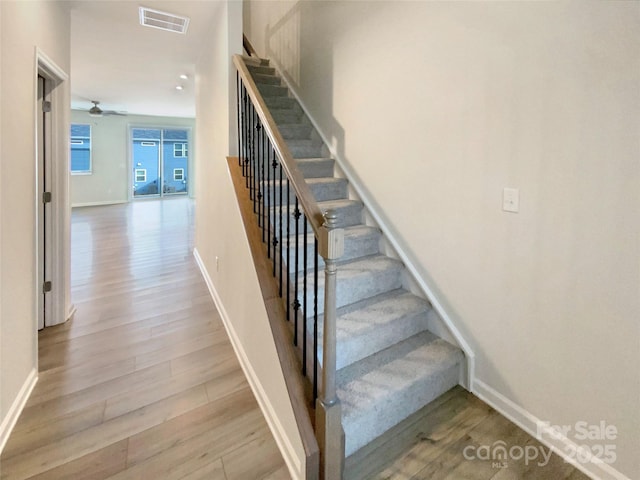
131 68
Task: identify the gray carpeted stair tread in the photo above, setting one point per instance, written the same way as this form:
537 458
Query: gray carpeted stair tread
349 214
286 115
280 102
375 324
265 79
268 90
385 388
328 188
261 70
359 241
316 167
292 131
349 211
357 280
378 323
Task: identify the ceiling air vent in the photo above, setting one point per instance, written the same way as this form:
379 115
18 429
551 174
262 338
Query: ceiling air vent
163 20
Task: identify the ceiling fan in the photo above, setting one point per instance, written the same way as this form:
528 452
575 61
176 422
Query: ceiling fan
96 111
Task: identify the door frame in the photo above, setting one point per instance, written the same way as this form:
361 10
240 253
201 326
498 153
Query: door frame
58 244
43 221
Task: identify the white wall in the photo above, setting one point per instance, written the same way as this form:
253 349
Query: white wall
110 181
24 26
436 107
220 233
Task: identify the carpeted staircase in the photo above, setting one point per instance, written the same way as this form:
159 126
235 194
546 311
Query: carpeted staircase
389 364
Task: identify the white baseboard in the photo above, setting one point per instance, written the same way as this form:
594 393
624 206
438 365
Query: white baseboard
559 444
71 312
97 204
291 459
9 421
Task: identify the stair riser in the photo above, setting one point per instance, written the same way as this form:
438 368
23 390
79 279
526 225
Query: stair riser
357 348
353 288
286 116
295 132
262 79
360 431
262 70
352 349
306 151
322 192
280 102
348 216
354 247
317 169
273 90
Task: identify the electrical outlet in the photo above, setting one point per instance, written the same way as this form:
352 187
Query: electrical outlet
511 200
217 264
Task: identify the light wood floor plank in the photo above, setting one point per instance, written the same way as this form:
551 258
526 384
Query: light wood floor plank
211 471
100 436
98 465
142 382
257 459
54 429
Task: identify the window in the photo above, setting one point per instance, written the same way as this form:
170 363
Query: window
179 149
141 174
178 174
80 149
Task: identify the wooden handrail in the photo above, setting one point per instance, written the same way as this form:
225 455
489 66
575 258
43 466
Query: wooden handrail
246 44
305 197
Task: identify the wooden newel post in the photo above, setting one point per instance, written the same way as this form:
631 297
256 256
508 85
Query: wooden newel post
328 410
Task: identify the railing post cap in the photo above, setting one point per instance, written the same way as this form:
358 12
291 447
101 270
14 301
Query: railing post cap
330 218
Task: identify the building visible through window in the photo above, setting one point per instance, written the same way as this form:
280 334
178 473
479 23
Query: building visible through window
80 148
179 149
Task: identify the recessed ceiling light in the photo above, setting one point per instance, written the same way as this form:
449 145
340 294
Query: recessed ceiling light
179 87
184 77
163 20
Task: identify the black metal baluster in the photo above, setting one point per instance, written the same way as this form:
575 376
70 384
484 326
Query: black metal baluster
256 174
242 133
274 165
252 146
252 160
296 302
263 198
238 83
247 137
315 319
268 212
288 252
304 298
245 127
260 173
281 183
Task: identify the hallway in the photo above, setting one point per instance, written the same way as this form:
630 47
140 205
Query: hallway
143 382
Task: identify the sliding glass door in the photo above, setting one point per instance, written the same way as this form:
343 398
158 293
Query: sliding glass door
160 160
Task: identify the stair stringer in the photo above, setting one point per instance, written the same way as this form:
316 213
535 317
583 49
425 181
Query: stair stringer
440 320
